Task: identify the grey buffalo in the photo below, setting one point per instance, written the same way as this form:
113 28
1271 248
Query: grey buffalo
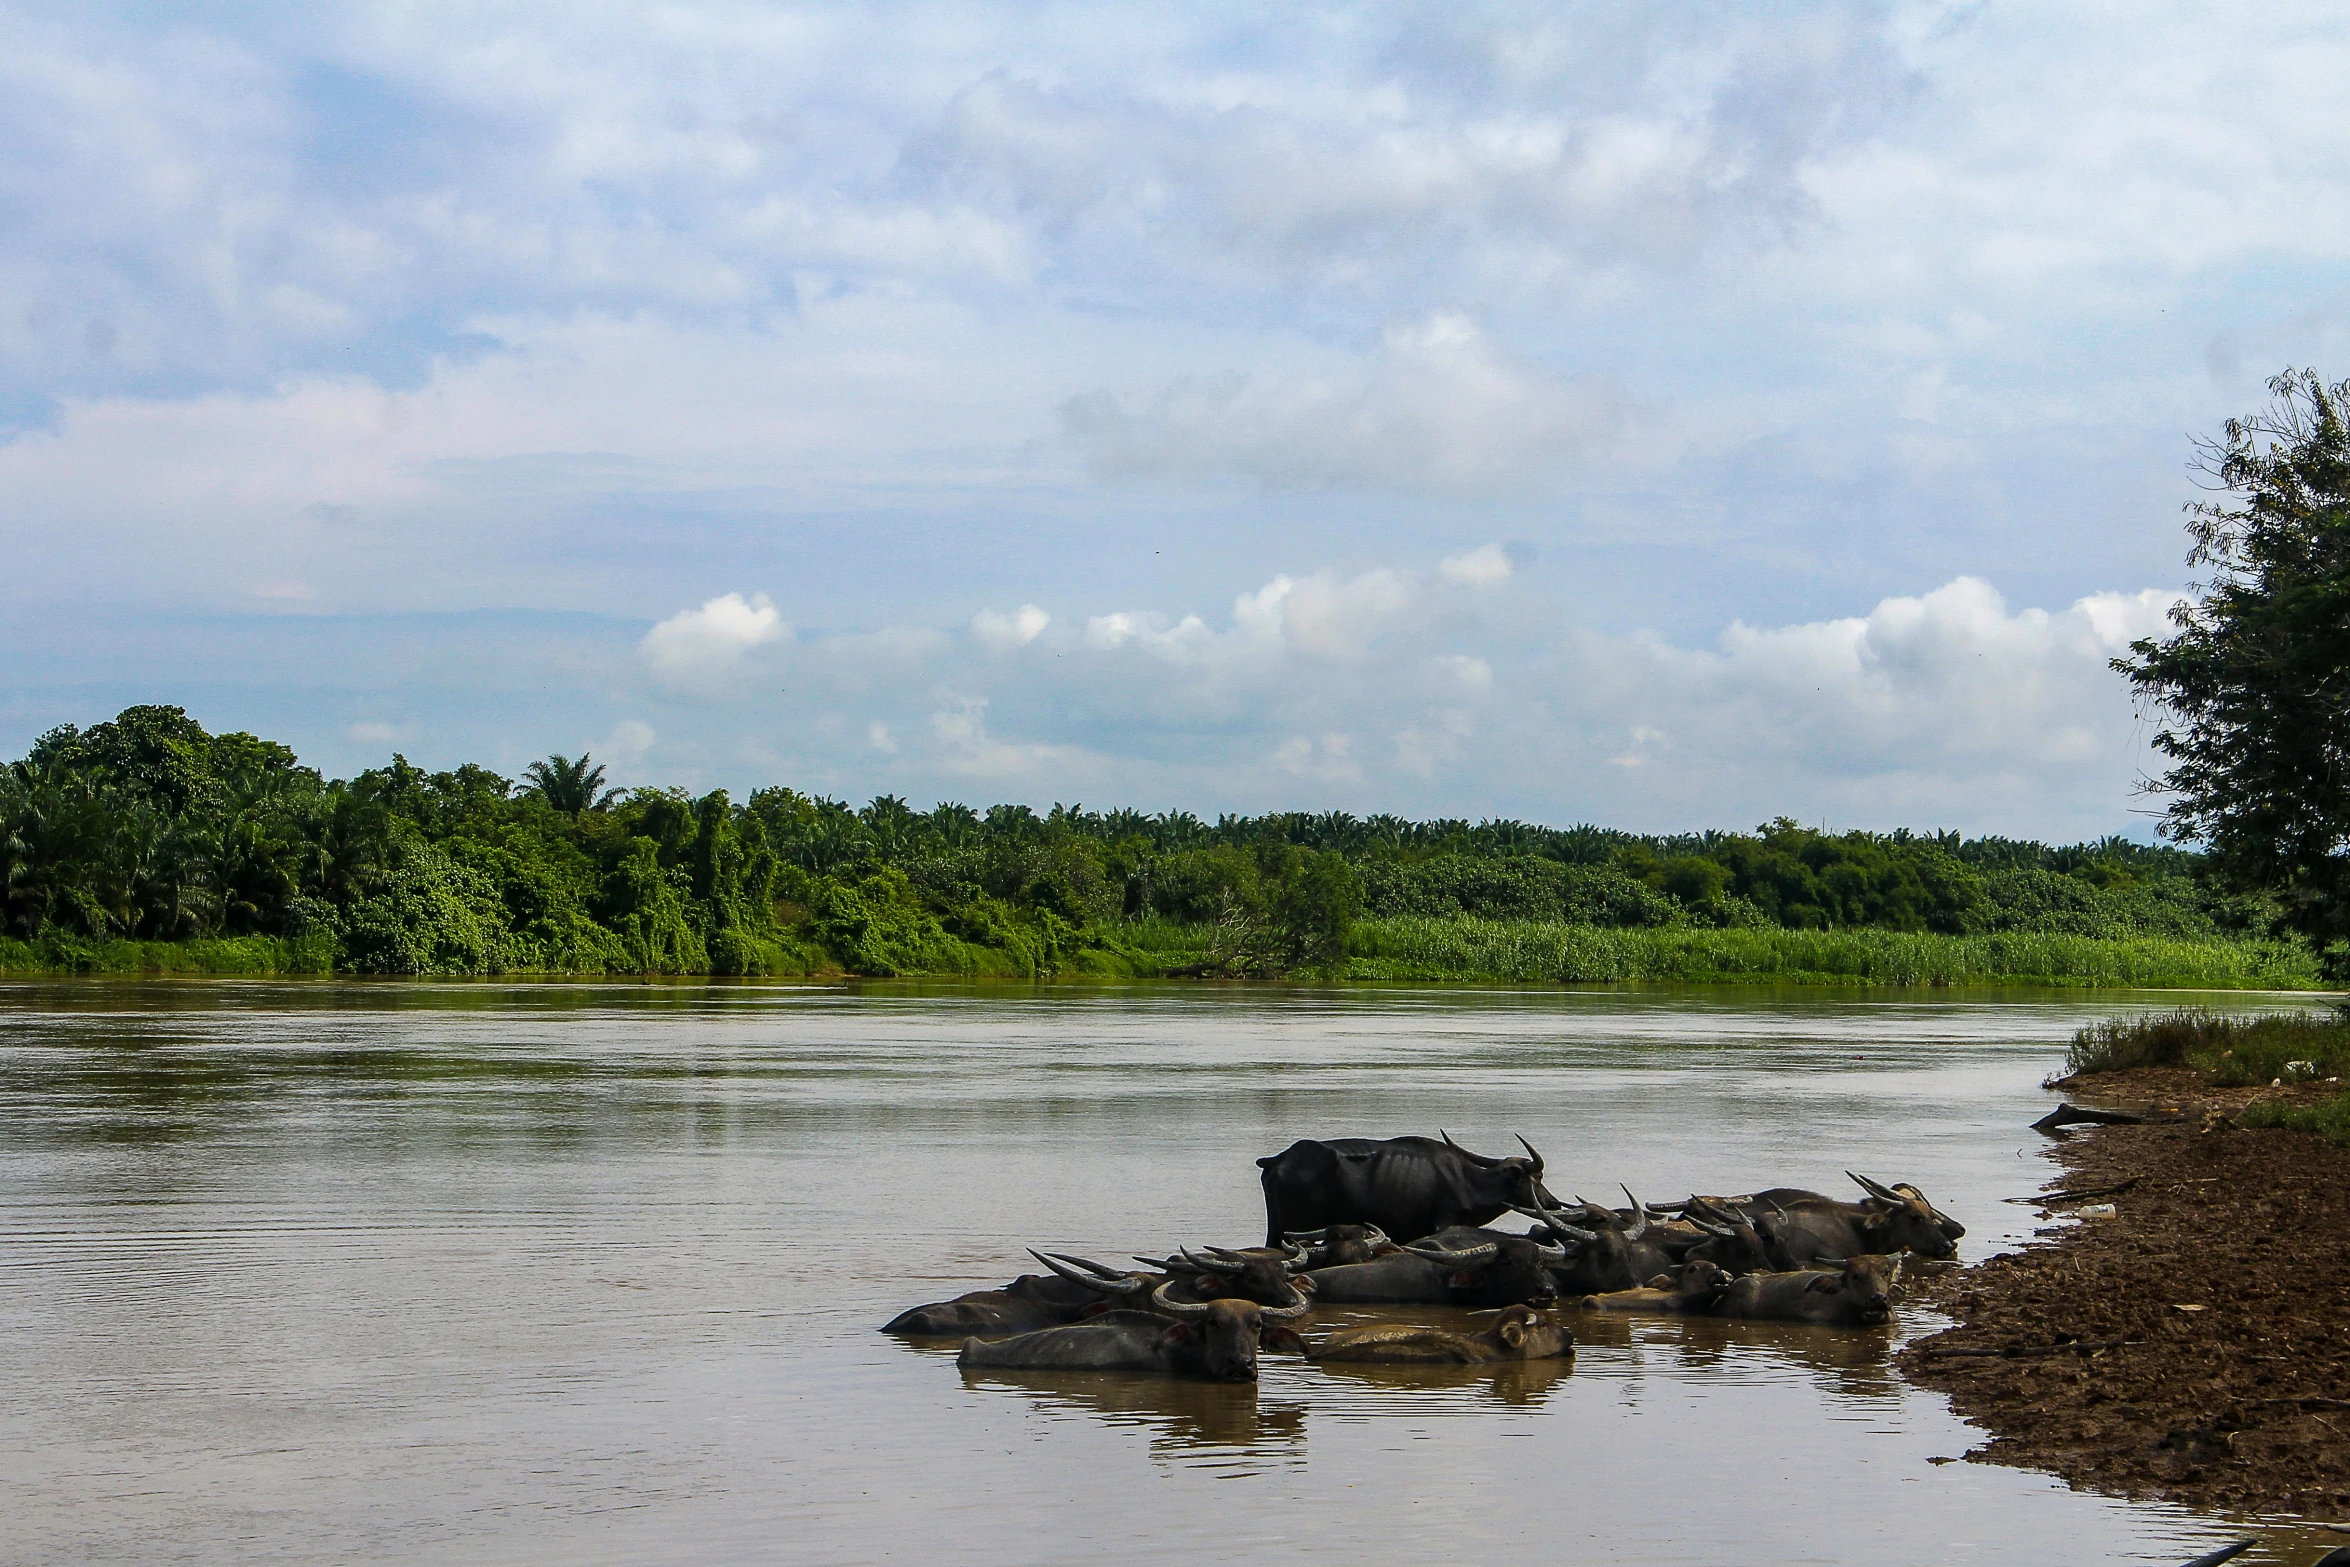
1855 1292
1027 1303
1520 1333
1694 1288
1457 1266
1215 1339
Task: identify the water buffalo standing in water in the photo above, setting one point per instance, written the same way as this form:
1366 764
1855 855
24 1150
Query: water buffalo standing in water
1216 1339
1520 1333
1856 1292
1457 1266
1692 1289
1407 1186
1027 1303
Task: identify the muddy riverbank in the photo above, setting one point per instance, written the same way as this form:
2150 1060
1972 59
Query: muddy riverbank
2194 1346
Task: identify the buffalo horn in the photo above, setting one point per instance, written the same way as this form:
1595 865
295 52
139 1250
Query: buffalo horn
1212 1263
1455 1259
1532 1154
1176 1308
1878 1189
1640 1216
1308 1237
1167 1264
1100 1278
1482 1159
1557 1224
1298 1307
1550 1256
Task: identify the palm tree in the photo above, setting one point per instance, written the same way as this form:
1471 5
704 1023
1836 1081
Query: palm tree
570 787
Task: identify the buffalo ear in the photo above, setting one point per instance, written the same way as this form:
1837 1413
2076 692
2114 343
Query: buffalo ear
1826 1283
1462 1281
1177 1333
1663 1281
1285 1339
1513 1332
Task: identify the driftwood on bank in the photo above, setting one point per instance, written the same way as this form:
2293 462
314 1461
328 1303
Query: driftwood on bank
2065 1115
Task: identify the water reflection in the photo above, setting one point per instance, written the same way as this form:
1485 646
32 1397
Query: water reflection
1230 1426
1513 1384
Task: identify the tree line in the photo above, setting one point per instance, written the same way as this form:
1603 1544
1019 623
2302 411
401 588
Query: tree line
147 827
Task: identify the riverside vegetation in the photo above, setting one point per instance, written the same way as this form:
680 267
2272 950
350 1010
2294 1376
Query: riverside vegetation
145 844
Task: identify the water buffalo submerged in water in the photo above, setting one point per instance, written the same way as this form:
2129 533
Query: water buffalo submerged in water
1216 1339
1808 1226
1027 1303
1692 1289
1264 1274
1335 1245
1407 1186
1856 1292
1457 1266
1520 1334
1605 1250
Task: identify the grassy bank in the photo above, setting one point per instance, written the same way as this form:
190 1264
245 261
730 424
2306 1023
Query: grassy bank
2233 1052
1455 948
240 955
1534 952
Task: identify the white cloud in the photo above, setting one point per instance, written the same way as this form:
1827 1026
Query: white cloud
1482 567
630 739
697 648
376 732
1438 406
1001 633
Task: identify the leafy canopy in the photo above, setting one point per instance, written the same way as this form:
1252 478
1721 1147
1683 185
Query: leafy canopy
2254 686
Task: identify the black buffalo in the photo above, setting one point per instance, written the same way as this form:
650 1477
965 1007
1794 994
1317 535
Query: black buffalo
1741 1241
1607 1250
1216 1339
1457 1266
1408 1186
1262 1274
1336 1244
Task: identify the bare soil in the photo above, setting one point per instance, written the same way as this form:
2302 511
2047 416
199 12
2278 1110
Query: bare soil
2212 1313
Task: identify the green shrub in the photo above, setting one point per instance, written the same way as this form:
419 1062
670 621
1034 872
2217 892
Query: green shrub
2230 1051
2329 1118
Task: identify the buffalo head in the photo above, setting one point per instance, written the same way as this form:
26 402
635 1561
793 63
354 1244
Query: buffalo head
1868 1284
1227 1332
1905 1221
1510 1178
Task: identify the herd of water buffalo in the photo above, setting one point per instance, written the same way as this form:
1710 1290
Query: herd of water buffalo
1402 1221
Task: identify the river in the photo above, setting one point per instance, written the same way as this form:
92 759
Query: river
590 1273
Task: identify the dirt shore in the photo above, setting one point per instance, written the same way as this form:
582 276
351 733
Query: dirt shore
2210 1314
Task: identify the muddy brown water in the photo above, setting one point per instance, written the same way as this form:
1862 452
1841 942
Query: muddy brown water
588 1273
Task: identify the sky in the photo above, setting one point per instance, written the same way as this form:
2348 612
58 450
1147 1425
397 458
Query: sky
1663 416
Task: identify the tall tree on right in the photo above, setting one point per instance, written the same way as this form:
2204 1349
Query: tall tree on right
2252 691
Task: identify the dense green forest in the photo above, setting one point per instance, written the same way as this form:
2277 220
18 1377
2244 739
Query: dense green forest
145 843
